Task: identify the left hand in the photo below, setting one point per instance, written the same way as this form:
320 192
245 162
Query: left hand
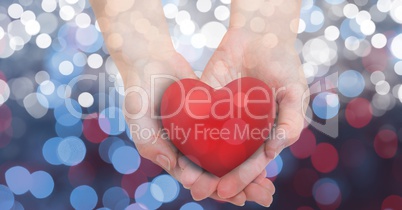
274 61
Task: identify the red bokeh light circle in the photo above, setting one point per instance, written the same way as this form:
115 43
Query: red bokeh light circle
392 202
305 146
358 112
386 143
91 129
325 158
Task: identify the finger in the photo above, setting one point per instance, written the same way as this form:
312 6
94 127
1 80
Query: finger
204 186
238 200
290 119
189 172
236 180
258 194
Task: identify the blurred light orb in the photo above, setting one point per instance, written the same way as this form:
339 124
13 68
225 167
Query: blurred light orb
42 184
334 2
187 27
396 48
326 191
274 167
83 20
66 12
95 61
4 92
115 198
68 113
358 112
222 13
350 11
332 33
204 5
325 158
47 87
386 143
111 121
71 151
144 196
376 77
191 206
213 32
198 40
326 105
49 150
126 160
398 68
351 83
66 68
83 197
15 11
379 40
18 179
136 206
43 41
382 87
86 99
6 197
305 146
170 10
165 188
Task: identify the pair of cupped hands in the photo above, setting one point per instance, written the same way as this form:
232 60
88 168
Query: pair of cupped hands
240 53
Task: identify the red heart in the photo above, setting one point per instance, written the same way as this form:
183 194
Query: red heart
218 129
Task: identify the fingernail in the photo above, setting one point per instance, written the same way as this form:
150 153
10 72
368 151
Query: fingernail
242 204
163 161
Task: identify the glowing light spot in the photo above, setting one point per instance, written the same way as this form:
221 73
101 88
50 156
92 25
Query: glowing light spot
382 87
4 92
67 12
367 27
386 143
332 33
43 41
326 191
18 179
325 158
6 197
395 46
392 202
83 197
165 188
49 151
213 32
69 113
66 68
326 105
15 11
187 27
144 196
170 10
350 11
95 61
85 99
115 198
358 112
111 121
305 146
47 87
351 83
136 206
398 67
191 206
83 20
71 151
42 184
126 160
32 27
222 12
379 40
80 59
204 5
274 167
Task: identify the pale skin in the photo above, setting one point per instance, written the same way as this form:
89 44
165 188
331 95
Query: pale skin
258 43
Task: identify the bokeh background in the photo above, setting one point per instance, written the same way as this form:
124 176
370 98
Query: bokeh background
52 55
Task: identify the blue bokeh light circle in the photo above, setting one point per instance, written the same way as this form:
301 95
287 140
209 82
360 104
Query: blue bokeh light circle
69 113
274 167
144 196
18 179
111 121
326 105
165 188
126 160
83 197
351 83
42 184
192 206
71 151
115 198
49 151
6 197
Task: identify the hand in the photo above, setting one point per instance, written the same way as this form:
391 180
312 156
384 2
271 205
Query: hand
162 152
243 53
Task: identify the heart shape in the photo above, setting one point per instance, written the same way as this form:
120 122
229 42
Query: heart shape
218 129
